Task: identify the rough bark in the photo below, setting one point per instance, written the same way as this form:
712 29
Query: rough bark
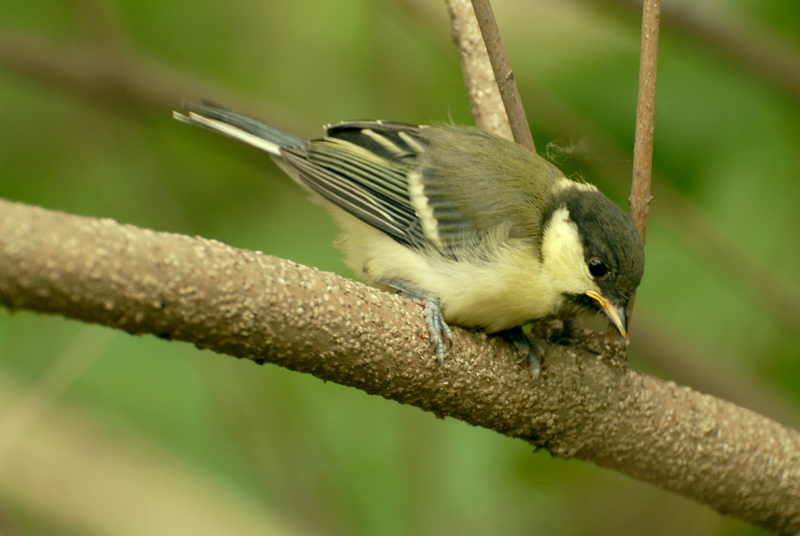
587 404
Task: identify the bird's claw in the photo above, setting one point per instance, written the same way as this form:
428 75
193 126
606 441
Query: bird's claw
440 333
528 351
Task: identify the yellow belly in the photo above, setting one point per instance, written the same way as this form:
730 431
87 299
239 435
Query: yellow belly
506 288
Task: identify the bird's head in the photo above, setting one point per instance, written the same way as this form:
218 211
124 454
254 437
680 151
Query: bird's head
592 253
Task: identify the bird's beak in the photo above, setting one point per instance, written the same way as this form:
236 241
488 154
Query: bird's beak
615 313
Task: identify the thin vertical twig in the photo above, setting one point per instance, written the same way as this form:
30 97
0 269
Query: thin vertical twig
645 118
640 197
503 74
486 104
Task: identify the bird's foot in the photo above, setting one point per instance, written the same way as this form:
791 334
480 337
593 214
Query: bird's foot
440 333
528 351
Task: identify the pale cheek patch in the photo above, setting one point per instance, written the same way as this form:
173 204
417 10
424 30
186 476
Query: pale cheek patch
562 252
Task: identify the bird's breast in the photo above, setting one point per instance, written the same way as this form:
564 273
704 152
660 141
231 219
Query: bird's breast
503 287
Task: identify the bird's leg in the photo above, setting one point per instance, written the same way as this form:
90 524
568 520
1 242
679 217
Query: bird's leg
528 350
441 335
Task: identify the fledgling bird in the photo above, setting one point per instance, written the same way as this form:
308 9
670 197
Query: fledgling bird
481 231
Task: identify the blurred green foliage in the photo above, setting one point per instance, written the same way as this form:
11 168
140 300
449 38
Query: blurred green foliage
298 456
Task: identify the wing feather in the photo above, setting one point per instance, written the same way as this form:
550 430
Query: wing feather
364 167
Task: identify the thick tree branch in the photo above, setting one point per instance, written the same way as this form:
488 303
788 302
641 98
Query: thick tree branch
245 304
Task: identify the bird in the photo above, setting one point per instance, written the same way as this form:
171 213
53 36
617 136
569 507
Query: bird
480 231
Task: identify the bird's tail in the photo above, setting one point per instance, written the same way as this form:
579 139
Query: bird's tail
238 126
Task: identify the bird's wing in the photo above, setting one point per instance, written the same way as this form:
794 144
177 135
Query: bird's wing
374 170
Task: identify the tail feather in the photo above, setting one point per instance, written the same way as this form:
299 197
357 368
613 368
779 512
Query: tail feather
240 127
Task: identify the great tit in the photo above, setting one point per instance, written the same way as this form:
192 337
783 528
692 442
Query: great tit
482 232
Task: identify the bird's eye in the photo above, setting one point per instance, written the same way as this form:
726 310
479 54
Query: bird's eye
597 268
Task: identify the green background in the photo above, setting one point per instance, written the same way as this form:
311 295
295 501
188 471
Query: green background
106 433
